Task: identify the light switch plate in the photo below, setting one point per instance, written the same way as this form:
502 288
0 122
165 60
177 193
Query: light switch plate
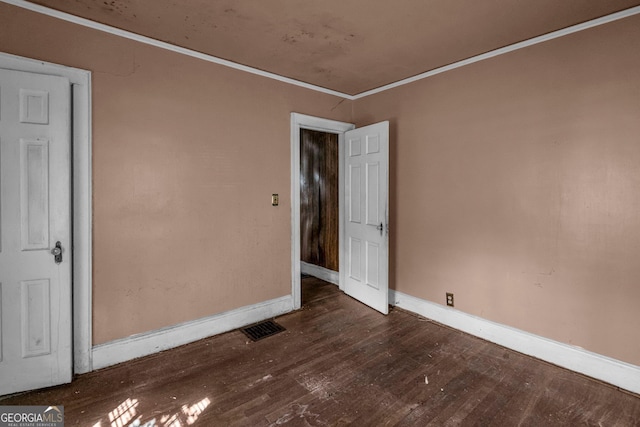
274 200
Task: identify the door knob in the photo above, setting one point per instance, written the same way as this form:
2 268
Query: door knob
380 228
57 252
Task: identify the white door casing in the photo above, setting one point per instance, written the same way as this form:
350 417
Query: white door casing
35 213
366 212
81 165
377 298
302 121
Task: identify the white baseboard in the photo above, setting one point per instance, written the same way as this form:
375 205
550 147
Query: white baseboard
320 272
612 371
147 343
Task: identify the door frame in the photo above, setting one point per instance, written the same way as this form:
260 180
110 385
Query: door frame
302 121
81 209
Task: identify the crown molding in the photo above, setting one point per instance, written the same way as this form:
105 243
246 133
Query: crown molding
210 58
168 46
497 52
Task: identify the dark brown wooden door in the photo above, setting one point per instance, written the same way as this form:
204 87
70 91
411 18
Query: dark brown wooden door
319 216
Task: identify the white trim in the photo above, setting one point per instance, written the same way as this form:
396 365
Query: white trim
325 274
210 58
301 121
140 345
612 371
168 46
510 48
82 240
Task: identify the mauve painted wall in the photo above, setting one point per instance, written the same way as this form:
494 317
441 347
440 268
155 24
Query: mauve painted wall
516 186
186 155
514 182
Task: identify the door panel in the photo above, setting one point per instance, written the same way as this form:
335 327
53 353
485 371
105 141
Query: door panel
372 196
355 258
34 194
373 265
36 318
35 213
353 181
367 199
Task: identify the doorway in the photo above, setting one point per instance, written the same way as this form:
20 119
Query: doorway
363 185
299 122
319 205
81 197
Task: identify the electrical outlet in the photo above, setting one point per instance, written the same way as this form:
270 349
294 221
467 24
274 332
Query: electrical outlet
449 299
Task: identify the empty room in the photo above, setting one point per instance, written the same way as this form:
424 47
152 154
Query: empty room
320 213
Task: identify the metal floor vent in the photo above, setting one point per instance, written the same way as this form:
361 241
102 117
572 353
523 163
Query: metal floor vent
262 330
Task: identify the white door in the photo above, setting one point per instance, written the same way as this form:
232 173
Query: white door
366 209
35 290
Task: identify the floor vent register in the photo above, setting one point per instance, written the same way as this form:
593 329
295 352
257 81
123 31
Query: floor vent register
262 330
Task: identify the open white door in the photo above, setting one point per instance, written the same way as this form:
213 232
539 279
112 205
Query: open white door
366 209
35 215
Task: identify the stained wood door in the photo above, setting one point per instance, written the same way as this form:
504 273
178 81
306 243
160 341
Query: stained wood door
35 290
366 210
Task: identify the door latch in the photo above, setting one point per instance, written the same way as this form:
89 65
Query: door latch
380 228
57 252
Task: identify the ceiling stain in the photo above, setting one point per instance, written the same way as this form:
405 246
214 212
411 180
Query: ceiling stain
349 46
115 6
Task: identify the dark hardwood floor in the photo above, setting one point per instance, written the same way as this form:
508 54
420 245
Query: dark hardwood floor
339 363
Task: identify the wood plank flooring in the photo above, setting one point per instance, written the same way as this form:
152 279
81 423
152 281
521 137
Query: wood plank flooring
339 363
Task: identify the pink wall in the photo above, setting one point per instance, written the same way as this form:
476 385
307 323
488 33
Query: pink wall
514 182
186 155
516 186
